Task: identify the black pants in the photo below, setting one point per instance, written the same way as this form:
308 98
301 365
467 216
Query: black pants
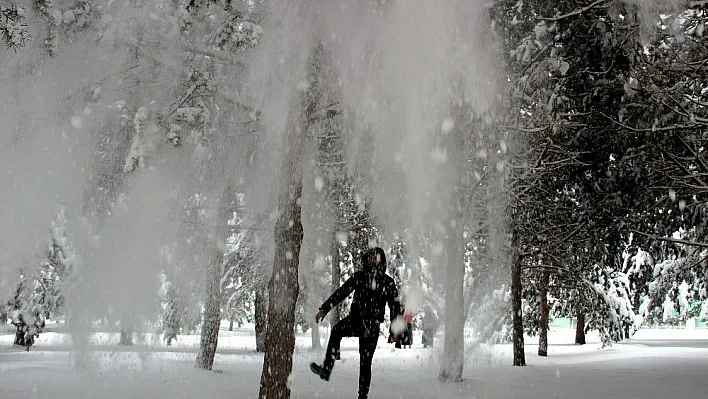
368 333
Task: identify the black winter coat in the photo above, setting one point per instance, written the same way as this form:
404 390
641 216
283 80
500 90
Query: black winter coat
373 289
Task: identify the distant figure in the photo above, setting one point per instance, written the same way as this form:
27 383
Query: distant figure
429 326
373 289
406 338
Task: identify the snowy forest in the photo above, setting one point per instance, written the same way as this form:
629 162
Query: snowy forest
169 165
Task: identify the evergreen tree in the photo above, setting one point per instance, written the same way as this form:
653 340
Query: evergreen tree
171 312
26 311
13 28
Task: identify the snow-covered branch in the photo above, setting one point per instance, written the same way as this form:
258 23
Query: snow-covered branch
673 240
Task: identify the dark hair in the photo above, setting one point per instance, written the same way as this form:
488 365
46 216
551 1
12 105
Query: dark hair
375 251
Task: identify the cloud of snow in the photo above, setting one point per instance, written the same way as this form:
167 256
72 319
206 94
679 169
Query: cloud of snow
650 12
42 159
52 119
401 66
398 68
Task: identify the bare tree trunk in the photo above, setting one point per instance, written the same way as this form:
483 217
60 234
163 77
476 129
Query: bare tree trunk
454 341
231 322
212 311
580 327
543 322
261 318
335 313
20 336
280 334
315 335
311 304
126 332
518 326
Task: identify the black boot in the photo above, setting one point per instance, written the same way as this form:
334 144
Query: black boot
320 371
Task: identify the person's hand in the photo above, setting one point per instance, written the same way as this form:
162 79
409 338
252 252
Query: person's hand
391 338
320 316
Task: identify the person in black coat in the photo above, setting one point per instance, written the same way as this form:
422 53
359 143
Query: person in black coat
373 289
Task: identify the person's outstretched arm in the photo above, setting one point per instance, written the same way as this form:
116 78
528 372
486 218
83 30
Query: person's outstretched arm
337 296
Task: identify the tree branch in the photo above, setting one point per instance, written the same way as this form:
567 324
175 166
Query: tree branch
574 13
673 240
652 129
219 55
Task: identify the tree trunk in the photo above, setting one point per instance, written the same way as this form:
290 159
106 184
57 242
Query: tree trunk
315 335
580 327
20 336
311 302
518 326
335 313
231 322
212 310
261 318
454 340
543 322
126 332
280 334
211 319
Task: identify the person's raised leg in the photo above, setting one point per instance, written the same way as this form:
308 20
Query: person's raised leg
344 328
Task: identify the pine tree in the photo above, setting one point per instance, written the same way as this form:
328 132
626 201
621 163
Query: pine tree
13 28
26 311
171 315
56 269
45 9
242 268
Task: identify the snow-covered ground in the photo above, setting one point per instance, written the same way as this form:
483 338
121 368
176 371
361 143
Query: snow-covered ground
654 364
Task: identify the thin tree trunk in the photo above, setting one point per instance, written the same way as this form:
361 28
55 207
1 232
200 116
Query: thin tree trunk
211 319
454 344
311 304
315 335
518 326
231 322
126 332
543 322
261 318
212 311
19 336
335 313
580 327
